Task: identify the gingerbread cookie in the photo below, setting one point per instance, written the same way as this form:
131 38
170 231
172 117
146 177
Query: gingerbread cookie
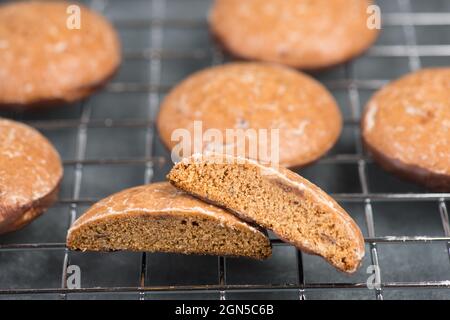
406 127
30 173
46 60
251 99
158 217
278 199
300 33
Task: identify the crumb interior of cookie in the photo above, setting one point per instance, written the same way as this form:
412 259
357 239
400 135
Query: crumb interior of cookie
170 233
272 204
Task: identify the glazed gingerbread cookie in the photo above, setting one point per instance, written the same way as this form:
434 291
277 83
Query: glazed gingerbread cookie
159 217
30 173
277 199
406 127
255 96
44 62
300 33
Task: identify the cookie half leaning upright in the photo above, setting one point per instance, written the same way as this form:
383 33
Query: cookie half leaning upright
406 127
30 174
53 52
159 217
293 208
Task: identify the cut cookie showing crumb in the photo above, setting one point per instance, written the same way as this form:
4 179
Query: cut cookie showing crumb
158 217
278 199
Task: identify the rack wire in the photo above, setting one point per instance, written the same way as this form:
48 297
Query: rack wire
154 162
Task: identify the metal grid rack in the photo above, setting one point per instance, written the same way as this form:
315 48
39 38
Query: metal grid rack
109 142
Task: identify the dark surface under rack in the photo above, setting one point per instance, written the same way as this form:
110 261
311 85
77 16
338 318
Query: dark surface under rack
109 143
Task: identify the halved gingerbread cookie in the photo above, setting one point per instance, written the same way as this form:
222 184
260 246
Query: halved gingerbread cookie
406 127
277 199
158 217
45 59
300 33
30 173
250 100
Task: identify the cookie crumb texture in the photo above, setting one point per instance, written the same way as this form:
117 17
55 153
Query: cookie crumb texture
277 199
406 126
43 62
306 34
161 218
255 96
30 174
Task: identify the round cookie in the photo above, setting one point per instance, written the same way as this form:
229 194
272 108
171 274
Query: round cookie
300 33
44 62
160 218
406 126
30 173
255 96
275 198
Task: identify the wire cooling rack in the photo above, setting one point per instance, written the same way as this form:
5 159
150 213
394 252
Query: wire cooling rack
109 143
